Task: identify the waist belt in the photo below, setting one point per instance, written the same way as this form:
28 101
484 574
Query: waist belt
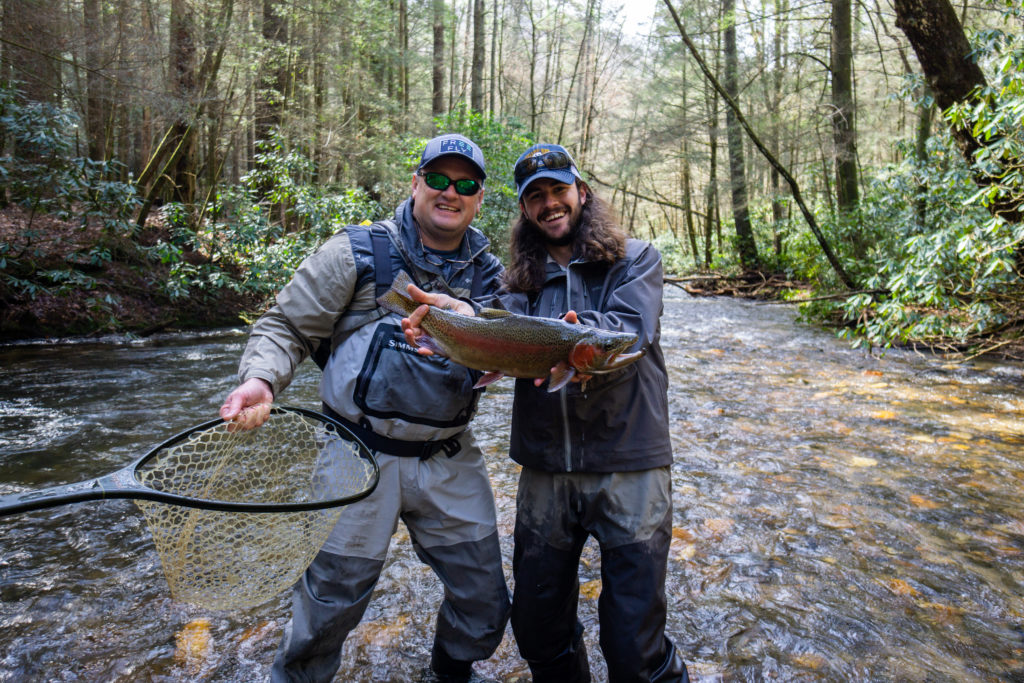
424 450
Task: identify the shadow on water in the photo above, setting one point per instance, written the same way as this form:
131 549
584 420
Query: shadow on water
837 516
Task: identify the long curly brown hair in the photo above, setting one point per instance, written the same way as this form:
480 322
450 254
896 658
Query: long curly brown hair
598 238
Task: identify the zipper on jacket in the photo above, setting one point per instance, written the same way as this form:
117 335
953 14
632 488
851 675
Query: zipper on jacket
564 391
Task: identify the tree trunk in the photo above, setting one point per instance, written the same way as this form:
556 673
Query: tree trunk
943 51
687 189
31 41
97 99
437 80
403 69
779 61
924 131
270 95
476 89
734 136
182 52
492 82
844 131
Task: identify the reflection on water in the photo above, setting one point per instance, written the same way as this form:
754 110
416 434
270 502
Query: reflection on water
837 516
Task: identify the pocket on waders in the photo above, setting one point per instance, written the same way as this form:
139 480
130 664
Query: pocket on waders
396 382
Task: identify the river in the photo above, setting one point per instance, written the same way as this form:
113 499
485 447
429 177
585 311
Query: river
837 515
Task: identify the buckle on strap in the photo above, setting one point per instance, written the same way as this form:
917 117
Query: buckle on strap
450 446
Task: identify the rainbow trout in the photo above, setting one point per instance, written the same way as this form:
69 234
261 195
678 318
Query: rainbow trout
500 343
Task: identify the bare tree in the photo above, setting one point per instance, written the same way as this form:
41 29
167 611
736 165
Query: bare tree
794 187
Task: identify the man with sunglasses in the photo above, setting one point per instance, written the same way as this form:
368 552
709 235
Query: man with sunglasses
595 462
411 411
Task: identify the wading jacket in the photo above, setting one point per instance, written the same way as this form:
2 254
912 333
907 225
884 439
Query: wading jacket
373 378
620 422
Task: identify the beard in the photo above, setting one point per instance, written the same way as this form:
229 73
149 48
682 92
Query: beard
567 238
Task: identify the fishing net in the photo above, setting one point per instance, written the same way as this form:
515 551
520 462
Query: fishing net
234 560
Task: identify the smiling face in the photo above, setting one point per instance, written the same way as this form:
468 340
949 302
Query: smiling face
554 208
443 216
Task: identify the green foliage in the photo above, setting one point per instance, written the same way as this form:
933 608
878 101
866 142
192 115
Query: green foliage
42 174
675 256
257 233
954 277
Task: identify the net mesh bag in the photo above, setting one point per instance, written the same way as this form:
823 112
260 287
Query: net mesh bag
234 560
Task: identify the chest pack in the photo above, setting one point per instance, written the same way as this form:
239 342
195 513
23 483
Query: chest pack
384 235
374 382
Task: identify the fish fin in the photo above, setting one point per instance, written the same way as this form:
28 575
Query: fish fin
493 313
561 375
425 341
488 378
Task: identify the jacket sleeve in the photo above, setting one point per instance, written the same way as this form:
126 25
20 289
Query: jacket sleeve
635 303
306 311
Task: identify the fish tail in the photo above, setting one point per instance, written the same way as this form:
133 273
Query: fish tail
397 299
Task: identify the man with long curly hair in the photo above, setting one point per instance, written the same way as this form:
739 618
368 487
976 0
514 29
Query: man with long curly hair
596 454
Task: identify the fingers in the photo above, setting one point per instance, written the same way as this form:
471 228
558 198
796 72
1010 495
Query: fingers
248 406
250 418
576 377
437 300
412 330
416 317
571 317
419 295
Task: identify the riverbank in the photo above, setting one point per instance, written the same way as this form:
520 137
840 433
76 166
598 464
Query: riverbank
107 285
102 284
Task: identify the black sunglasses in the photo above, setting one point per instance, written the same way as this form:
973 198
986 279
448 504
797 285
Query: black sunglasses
553 161
467 187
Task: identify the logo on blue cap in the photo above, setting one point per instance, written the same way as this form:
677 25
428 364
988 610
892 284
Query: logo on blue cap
456 146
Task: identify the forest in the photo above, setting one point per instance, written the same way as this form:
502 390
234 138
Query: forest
169 163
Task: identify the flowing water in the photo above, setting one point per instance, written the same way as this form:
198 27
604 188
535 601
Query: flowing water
838 516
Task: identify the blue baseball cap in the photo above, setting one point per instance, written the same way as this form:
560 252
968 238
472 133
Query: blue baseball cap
453 144
545 161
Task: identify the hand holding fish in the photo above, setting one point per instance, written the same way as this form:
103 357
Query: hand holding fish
414 333
411 325
500 343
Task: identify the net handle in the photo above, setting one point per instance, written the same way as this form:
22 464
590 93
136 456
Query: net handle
124 483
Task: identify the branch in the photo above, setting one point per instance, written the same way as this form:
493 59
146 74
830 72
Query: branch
793 186
840 295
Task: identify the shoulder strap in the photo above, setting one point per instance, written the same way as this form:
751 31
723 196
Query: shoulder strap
383 275
382 271
476 290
